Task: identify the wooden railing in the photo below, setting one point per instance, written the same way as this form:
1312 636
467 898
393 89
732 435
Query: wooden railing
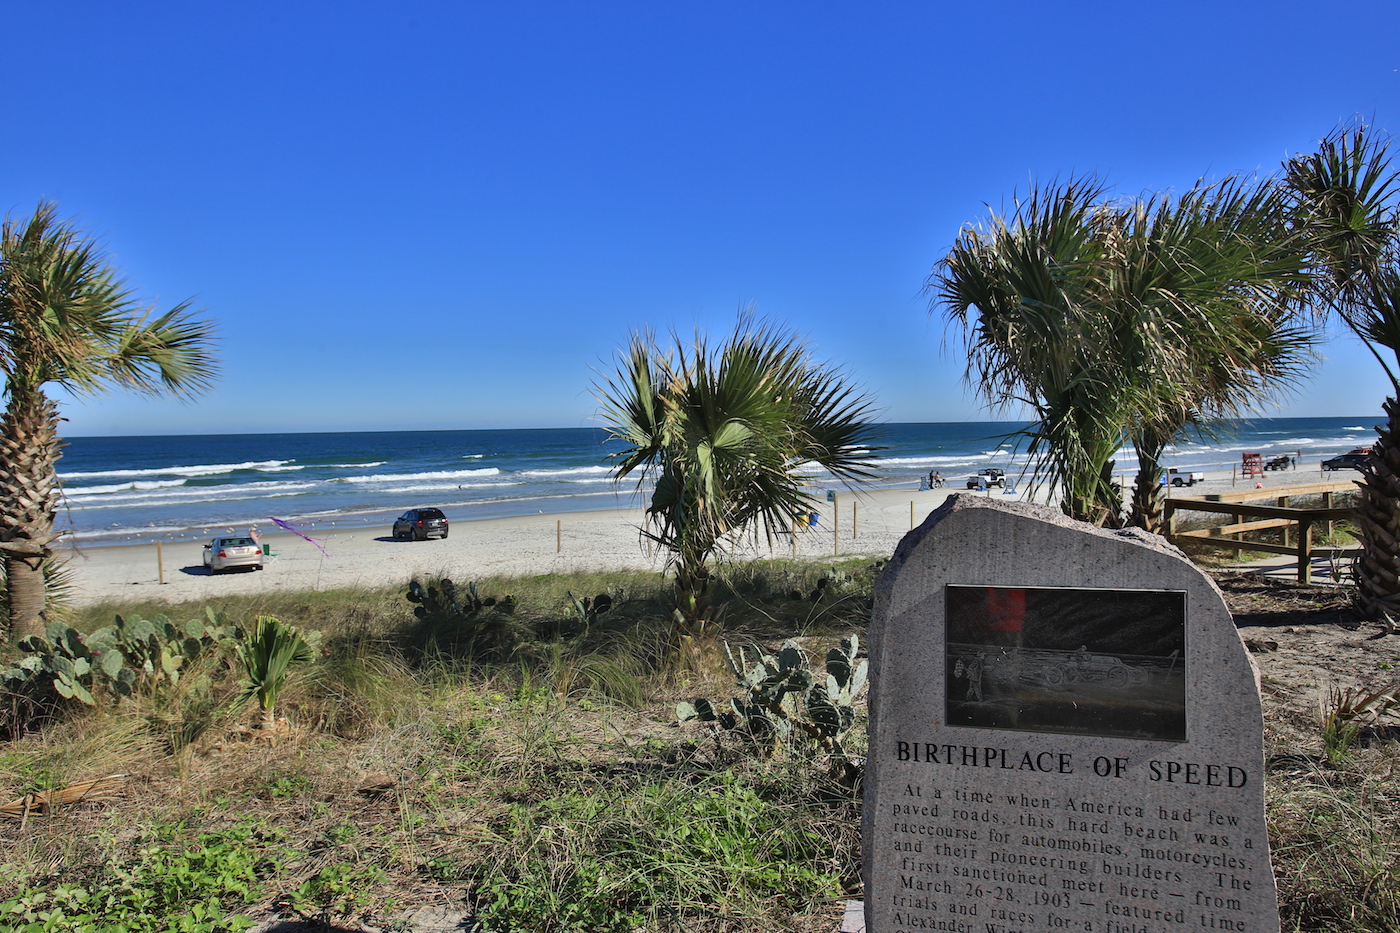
1296 525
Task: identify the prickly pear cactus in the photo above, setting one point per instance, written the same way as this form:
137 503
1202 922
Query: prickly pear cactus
785 705
451 618
117 660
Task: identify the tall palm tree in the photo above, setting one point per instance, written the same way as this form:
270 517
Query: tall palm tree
1345 195
726 436
67 319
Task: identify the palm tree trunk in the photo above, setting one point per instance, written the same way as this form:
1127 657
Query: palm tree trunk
692 589
1110 498
1378 520
1147 490
29 451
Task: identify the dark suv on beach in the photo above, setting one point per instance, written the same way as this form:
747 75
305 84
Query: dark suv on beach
420 525
1351 460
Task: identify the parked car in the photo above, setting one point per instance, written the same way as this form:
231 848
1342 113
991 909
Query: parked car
1351 460
227 553
420 525
988 477
1184 478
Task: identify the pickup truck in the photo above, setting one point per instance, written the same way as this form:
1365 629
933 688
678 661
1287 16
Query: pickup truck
1184 478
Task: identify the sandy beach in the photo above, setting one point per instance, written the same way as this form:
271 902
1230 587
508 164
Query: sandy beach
866 523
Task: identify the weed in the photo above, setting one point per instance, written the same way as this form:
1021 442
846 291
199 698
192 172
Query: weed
285 785
1336 850
335 891
1350 712
660 854
165 887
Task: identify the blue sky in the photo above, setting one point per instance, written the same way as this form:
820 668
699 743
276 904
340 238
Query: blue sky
449 215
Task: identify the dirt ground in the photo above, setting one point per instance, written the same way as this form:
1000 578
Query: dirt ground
1307 641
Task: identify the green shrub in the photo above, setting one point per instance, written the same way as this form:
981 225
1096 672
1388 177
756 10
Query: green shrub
267 656
786 705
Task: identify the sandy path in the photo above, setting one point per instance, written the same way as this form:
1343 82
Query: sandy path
868 523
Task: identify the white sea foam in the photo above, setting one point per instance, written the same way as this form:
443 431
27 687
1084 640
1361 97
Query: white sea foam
927 461
206 469
84 491
125 497
445 487
574 471
431 474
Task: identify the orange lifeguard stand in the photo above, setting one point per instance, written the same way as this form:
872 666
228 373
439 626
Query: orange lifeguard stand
1253 465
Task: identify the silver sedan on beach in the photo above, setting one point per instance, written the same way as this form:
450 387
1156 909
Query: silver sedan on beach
227 553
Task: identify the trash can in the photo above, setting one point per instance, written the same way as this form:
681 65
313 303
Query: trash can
812 520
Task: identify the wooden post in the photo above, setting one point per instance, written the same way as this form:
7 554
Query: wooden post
911 514
1327 525
558 536
855 519
1233 468
835 527
1286 530
160 564
1305 550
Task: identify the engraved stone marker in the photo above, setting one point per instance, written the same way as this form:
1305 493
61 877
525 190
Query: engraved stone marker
1065 735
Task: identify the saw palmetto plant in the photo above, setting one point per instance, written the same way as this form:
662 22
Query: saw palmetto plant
1120 322
267 656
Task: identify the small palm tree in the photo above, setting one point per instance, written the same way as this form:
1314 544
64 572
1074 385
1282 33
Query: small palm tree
1209 285
67 319
267 657
726 437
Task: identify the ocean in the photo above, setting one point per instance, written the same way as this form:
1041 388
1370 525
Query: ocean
121 490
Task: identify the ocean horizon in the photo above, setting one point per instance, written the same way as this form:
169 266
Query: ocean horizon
130 489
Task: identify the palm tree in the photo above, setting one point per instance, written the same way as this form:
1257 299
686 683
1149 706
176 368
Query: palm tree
725 437
67 319
1027 294
1208 285
1345 195
1117 322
